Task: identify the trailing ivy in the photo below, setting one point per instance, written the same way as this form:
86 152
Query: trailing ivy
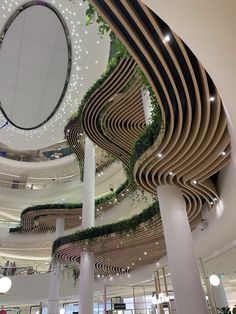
98 202
92 16
120 227
118 53
152 130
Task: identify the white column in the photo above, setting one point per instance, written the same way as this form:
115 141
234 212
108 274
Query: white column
54 284
219 296
146 105
86 283
189 294
88 219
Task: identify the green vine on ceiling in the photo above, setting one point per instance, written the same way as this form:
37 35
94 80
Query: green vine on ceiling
92 16
121 227
152 130
117 53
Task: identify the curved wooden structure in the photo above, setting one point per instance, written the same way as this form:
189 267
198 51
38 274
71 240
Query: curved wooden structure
196 144
76 138
119 253
44 220
113 117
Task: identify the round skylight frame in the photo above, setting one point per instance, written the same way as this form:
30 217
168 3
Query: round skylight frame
8 24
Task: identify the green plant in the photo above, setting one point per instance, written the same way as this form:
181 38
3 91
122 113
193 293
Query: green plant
92 16
110 197
120 227
224 310
147 138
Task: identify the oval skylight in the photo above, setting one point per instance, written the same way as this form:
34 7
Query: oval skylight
35 63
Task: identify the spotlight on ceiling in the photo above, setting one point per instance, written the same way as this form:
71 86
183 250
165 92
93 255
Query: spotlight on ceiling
167 38
212 98
214 280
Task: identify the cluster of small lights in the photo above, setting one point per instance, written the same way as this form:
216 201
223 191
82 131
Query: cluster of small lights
215 201
80 63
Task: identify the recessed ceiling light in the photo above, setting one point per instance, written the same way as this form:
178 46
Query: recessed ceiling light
167 38
223 153
194 181
212 98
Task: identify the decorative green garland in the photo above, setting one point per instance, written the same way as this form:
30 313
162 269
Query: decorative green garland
117 53
151 132
120 227
111 197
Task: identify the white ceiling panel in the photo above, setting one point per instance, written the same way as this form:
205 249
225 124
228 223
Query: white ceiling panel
33 66
31 81
7 96
59 63
89 59
12 55
54 86
8 73
46 104
36 55
41 24
27 102
24 115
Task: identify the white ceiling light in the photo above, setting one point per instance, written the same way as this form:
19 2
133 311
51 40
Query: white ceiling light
214 280
212 98
167 38
62 311
5 284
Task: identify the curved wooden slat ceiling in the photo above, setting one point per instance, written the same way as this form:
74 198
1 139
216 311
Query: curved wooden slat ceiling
193 147
75 137
195 144
114 118
119 253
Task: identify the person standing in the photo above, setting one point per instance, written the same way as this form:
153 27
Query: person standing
5 268
13 269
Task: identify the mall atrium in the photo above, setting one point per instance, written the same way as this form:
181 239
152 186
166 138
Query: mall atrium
117 145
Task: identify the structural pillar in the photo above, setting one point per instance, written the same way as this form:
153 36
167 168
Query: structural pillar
188 290
146 105
219 295
54 284
86 281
